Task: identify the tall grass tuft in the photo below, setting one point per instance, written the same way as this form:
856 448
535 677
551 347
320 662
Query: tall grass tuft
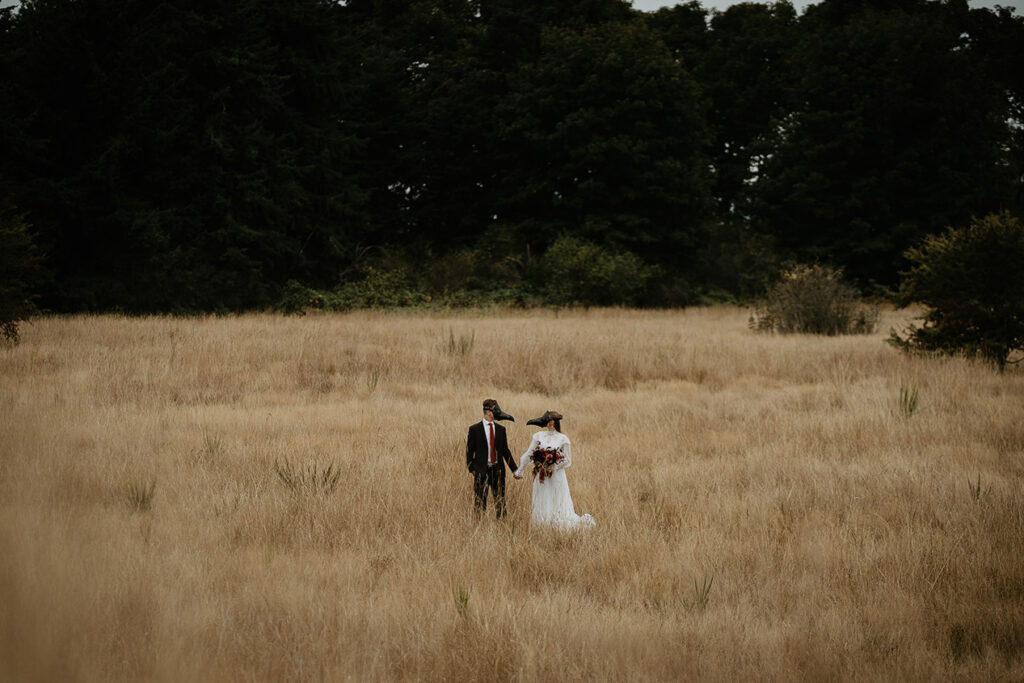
460 595
373 378
908 401
975 488
139 496
461 346
702 593
311 478
212 449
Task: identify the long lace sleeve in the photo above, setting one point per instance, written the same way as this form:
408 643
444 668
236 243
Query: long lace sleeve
566 455
526 459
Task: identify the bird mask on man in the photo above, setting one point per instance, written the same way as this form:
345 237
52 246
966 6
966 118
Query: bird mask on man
500 414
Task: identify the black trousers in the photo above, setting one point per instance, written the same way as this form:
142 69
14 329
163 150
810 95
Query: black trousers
493 479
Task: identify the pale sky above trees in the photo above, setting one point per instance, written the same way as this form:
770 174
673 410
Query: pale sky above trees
651 5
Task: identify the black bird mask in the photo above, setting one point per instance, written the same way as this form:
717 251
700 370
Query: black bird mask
541 421
500 414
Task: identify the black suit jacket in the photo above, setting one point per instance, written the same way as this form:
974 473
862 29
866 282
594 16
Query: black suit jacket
477 451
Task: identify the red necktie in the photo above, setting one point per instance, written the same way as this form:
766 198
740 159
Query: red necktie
492 459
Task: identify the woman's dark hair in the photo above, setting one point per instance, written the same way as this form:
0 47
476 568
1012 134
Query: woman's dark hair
557 417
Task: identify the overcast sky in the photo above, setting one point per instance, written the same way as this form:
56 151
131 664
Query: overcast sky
651 5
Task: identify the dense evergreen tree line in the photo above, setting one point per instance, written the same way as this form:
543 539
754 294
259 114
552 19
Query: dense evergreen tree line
200 154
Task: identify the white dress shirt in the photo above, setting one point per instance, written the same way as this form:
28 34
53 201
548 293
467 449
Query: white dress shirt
487 436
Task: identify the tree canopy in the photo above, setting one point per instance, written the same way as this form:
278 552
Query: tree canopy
201 155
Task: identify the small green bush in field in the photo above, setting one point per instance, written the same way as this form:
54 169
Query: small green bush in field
574 270
815 300
296 298
970 280
376 289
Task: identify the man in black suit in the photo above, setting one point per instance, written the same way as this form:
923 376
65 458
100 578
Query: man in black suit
487 454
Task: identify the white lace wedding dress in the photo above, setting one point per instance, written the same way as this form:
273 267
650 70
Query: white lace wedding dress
552 504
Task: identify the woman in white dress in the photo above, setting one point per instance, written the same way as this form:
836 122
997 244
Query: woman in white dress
552 504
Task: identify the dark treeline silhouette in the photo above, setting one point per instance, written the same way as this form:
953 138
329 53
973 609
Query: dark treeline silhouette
201 154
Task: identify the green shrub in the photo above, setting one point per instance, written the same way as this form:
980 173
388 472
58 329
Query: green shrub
574 270
816 300
377 289
571 271
970 280
296 299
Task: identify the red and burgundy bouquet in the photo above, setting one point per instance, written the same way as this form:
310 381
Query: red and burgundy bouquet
544 461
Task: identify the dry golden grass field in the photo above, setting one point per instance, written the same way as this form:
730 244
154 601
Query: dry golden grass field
767 508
